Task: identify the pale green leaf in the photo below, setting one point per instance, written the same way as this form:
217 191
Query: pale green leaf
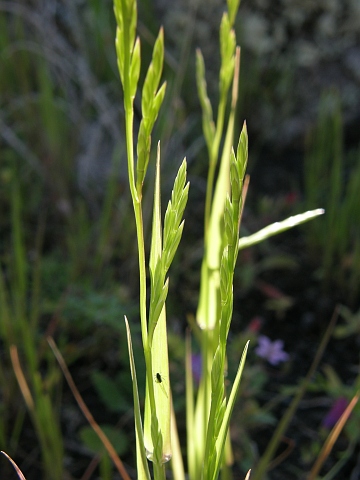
120 53
242 150
227 50
153 76
156 234
173 216
143 154
135 68
159 305
160 367
158 58
157 102
141 461
278 227
233 6
220 442
207 114
172 247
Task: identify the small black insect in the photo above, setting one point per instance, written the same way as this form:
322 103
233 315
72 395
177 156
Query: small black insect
161 381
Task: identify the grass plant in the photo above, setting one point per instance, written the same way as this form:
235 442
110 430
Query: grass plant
209 411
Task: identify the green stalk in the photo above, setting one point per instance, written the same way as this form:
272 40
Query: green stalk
190 412
213 159
125 13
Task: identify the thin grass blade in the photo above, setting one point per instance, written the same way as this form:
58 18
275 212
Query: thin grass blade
141 460
279 227
229 408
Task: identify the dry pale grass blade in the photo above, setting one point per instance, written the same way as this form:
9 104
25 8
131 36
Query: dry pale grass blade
331 439
20 377
17 469
248 475
235 87
106 442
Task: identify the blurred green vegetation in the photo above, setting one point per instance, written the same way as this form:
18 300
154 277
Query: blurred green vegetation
65 235
332 180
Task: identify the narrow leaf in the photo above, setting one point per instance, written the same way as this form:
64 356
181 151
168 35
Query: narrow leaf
141 460
135 68
233 6
229 408
17 469
278 227
156 243
207 114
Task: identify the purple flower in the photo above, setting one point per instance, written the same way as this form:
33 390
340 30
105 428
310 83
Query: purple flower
335 412
271 351
196 365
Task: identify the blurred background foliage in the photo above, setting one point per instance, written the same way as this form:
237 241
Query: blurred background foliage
67 249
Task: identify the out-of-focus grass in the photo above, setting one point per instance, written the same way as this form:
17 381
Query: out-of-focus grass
56 92
23 351
59 132
332 180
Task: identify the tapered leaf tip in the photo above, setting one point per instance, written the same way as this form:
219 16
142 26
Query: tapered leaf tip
248 475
